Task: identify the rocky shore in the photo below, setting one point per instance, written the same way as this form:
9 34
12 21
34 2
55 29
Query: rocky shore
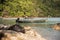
30 34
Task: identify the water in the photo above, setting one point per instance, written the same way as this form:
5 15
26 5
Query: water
44 29
48 33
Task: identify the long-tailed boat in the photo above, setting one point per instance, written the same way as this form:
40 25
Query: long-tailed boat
32 20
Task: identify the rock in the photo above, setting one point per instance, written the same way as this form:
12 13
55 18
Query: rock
14 27
56 26
3 26
13 35
27 28
17 28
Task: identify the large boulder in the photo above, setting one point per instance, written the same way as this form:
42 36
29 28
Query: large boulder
29 34
56 26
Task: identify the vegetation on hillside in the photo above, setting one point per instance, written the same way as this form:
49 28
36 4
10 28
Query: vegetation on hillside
30 8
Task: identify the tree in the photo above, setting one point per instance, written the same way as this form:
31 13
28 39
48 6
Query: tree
35 8
19 7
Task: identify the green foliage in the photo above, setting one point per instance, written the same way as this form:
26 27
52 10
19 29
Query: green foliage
0 9
50 7
35 8
0 13
19 7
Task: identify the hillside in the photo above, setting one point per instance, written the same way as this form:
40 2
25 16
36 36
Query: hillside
30 8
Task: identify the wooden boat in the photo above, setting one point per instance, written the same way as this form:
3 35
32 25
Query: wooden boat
31 21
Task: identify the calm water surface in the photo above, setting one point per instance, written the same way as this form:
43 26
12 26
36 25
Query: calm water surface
45 31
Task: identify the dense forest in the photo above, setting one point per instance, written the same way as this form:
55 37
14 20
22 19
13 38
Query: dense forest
30 8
